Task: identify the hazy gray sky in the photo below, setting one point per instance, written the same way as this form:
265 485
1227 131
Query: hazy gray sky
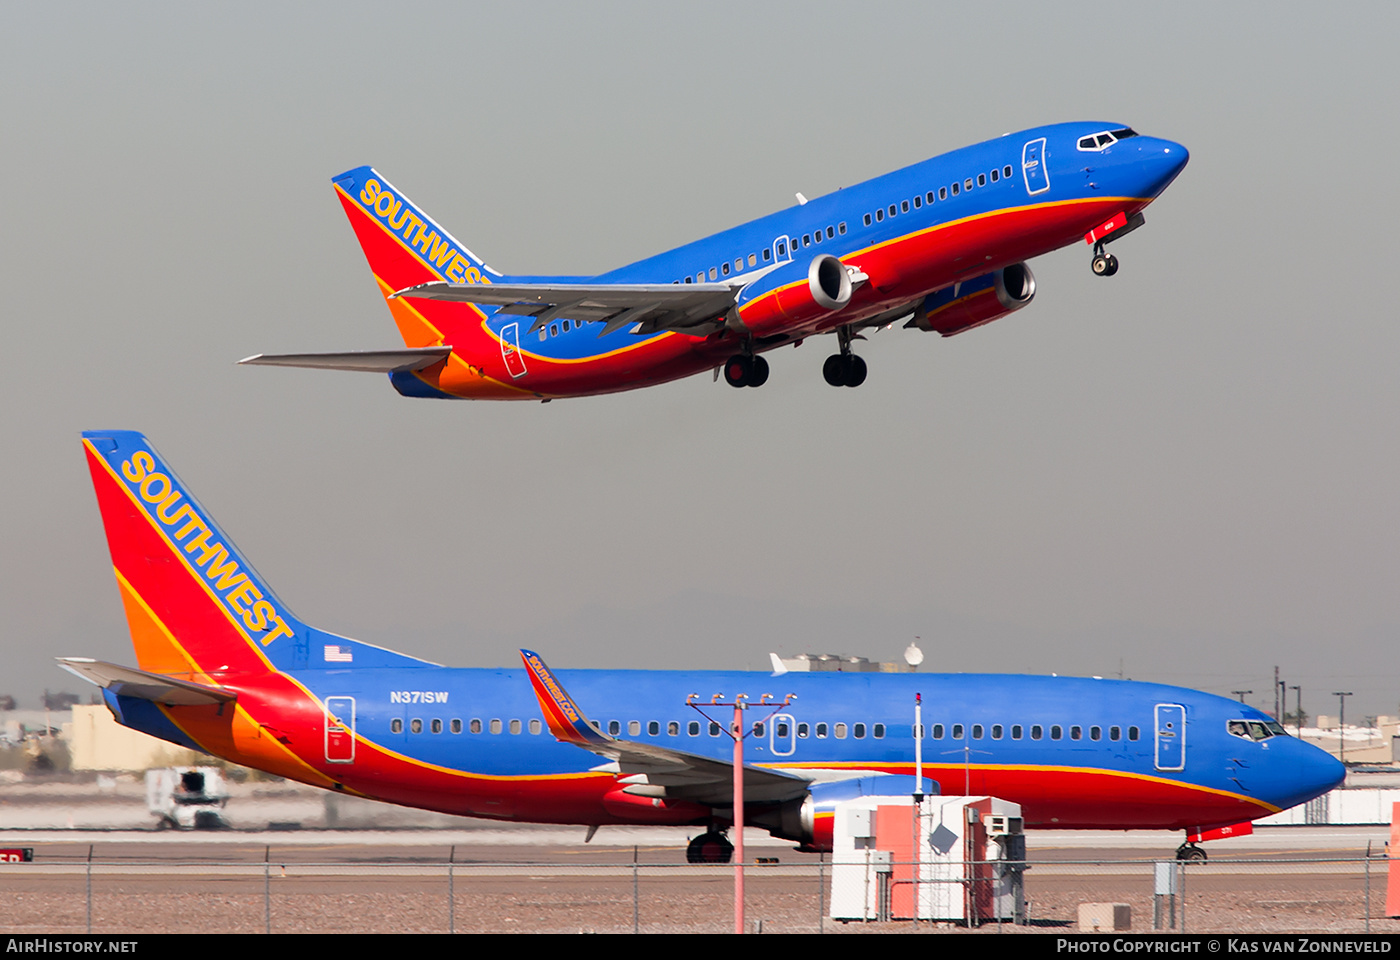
1188 471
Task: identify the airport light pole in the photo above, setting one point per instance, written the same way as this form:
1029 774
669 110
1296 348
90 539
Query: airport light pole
1297 707
738 733
1241 693
1342 723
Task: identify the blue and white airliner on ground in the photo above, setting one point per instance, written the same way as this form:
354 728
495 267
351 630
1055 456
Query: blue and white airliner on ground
223 666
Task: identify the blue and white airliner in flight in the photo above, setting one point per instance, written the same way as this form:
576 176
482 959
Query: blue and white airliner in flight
939 246
223 666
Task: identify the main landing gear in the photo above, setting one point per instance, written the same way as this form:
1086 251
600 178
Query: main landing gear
844 369
712 847
1190 852
743 370
1103 264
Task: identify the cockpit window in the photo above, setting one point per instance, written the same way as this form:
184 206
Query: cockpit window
1255 729
1097 141
1124 133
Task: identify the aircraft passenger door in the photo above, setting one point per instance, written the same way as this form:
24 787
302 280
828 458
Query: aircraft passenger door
510 350
340 729
1171 736
782 737
782 250
1033 167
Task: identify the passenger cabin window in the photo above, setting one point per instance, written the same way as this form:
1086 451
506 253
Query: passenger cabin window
456 726
918 202
693 728
955 189
416 726
396 726
475 726
634 727
1015 731
1056 732
879 214
981 179
653 728
673 729
867 219
977 731
1006 170
515 727
821 731
840 731
758 729
437 726
535 727
858 731
1076 732
495 726
1132 733
957 731
996 731
996 174
1036 732
943 193
904 206
803 730
937 731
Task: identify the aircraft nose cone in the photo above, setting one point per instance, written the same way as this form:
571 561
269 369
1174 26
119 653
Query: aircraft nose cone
1162 161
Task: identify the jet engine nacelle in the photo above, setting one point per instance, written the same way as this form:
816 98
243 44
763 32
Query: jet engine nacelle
977 301
811 820
780 299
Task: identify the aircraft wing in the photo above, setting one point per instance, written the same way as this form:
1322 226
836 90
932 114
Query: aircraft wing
363 361
130 682
696 308
649 769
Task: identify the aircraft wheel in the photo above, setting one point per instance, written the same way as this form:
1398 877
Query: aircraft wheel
758 372
855 371
1112 266
1190 853
1100 266
737 370
709 848
834 370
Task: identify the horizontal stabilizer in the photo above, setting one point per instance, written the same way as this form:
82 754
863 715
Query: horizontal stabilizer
360 361
130 682
656 306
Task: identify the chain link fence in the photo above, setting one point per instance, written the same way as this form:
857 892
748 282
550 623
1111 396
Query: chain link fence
121 895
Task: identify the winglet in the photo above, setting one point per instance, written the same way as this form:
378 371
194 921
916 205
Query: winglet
566 721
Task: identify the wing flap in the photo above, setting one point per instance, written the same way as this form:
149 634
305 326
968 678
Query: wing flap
360 361
130 682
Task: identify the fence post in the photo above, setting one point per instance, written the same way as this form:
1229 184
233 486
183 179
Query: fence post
451 890
635 895
1183 895
267 889
89 889
821 893
1368 886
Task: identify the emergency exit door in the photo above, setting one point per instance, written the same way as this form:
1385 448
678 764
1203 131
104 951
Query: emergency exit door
340 729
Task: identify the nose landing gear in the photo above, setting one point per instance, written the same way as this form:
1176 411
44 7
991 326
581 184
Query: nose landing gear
1103 265
1190 852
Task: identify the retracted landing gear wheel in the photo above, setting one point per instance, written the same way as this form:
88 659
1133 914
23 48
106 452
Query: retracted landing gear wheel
758 372
737 370
709 848
1190 852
